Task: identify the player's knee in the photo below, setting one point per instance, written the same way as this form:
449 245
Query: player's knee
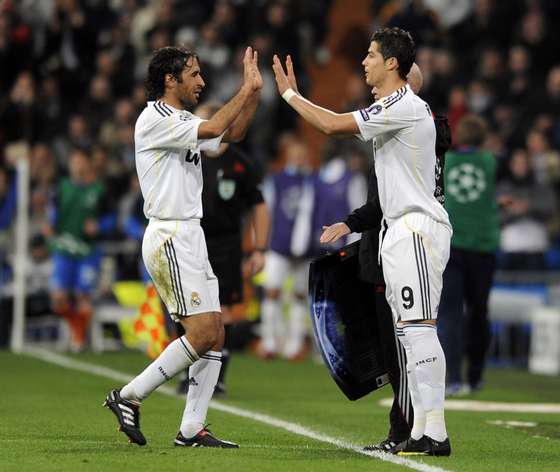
204 331
60 302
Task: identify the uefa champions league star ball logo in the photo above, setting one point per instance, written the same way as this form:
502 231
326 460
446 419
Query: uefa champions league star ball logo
466 183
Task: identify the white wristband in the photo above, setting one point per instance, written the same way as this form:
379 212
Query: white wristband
288 94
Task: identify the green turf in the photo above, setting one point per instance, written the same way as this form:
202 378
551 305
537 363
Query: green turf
51 419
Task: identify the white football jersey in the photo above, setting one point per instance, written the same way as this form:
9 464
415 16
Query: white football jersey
168 161
403 132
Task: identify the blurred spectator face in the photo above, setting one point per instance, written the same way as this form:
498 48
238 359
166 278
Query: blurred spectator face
482 8
518 60
166 11
519 164
99 161
77 127
159 39
139 95
537 143
478 97
105 64
491 65
223 13
296 155
126 135
99 89
23 91
79 166
210 34
533 27
277 15
442 63
424 59
49 87
503 113
124 111
42 163
553 82
457 97
494 144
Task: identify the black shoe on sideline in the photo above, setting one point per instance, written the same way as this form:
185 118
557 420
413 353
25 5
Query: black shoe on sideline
204 438
425 446
387 445
128 415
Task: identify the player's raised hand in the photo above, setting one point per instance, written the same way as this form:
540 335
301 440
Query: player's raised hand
248 72
281 78
290 74
333 233
257 77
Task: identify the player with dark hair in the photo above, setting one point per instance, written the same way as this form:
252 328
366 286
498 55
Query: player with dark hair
416 232
168 142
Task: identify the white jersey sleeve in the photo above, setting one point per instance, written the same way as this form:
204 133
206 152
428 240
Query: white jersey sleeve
384 116
179 131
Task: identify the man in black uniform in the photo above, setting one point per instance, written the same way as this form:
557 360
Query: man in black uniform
367 220
230 193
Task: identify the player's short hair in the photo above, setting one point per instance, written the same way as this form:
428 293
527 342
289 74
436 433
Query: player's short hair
397 43
168 60
471 131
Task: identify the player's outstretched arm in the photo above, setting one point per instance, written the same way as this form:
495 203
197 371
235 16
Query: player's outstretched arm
226 115
324 120
238 129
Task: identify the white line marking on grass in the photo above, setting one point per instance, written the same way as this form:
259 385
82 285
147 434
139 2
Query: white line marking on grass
93 369
474 405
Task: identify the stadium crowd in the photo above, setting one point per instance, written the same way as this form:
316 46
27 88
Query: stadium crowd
72 71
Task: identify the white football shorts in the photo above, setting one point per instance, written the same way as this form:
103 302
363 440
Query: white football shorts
278 267
176 257
414 253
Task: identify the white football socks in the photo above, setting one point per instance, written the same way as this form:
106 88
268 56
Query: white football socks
271 317
429 370
203 376
419 424
296 329
176 357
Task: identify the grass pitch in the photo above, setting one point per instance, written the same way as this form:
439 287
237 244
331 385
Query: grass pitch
51 419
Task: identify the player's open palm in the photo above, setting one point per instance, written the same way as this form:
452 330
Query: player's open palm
333 233
291 75
281 78
257 77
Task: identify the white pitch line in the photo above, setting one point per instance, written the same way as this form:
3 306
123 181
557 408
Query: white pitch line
475 405
69 363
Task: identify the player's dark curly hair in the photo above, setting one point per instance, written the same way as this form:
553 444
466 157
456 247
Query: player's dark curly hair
397 43
167 60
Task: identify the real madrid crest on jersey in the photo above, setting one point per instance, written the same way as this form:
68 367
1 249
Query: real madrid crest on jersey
195 299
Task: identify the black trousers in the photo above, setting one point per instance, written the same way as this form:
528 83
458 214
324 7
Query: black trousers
401 415
463 326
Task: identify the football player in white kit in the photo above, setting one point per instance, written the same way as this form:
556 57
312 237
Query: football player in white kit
168 141
416 234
